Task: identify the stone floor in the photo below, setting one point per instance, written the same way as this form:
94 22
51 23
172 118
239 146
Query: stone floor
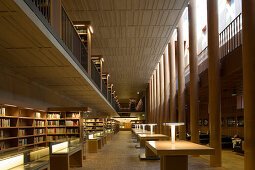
121 154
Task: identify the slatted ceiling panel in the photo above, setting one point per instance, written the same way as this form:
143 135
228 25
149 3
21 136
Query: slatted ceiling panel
130 34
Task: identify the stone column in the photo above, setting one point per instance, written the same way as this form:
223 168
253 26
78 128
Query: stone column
158 98
181 80
193 64
162 100
155 97
150 94
171 49
249 82
214 82
166 86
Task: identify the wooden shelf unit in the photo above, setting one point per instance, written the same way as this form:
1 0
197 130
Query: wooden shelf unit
94 124
27 128
18 128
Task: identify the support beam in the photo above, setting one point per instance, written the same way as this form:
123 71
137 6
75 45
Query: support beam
155 97
214 82
162 101
181 79
171 48
249 82
193 64
158 99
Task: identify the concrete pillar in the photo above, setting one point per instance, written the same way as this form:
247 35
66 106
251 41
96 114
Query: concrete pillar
155 97
171 49
181 80
150 103
162 101
249 82
158 99
166 86
214 82
193 64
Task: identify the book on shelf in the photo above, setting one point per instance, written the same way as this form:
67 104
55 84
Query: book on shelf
56 130
5 122
90 124
22 142
90 120
56 123
39 131
21 132
2 111
72 130
39 123
53 138
38 139
2 146
1 133
72 123
38 115
75 115
53 115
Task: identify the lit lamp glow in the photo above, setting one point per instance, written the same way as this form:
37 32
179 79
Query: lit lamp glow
173 129
151 126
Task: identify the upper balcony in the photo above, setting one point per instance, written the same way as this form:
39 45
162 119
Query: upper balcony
39 42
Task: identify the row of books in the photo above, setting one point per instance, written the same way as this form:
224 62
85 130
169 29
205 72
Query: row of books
1 133
38 115
22 142
56 130
54 115
2 146
21 132
56 123
75 115
39 131
90 124
74 130
2 111
39 123
5 122
52 138
72 123
38 139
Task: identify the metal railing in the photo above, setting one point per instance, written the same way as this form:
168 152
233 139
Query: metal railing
109 96
231 37
73 40
44 7
95 75
104 88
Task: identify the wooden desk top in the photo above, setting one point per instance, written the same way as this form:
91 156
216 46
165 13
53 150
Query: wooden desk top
153 136
179 148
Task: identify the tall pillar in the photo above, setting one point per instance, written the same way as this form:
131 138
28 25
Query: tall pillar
166 91
214 82
150 98
162 101
181 80
249 82
171 48
89 51
158 98
166 85
155 97
193 64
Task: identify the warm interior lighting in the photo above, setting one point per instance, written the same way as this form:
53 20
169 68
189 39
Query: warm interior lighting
91 29
102 59
11 162
59 146
79 25
173 129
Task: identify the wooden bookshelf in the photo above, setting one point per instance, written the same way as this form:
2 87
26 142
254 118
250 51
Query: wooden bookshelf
27 128
94 124
18 128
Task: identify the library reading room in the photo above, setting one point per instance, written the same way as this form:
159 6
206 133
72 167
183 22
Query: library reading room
127 85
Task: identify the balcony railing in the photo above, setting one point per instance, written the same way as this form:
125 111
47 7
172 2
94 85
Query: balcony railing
109 96
73 40
104 88
43 6
229 39
95 75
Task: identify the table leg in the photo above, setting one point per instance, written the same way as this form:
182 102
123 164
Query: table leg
176 162
142 143
149 153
